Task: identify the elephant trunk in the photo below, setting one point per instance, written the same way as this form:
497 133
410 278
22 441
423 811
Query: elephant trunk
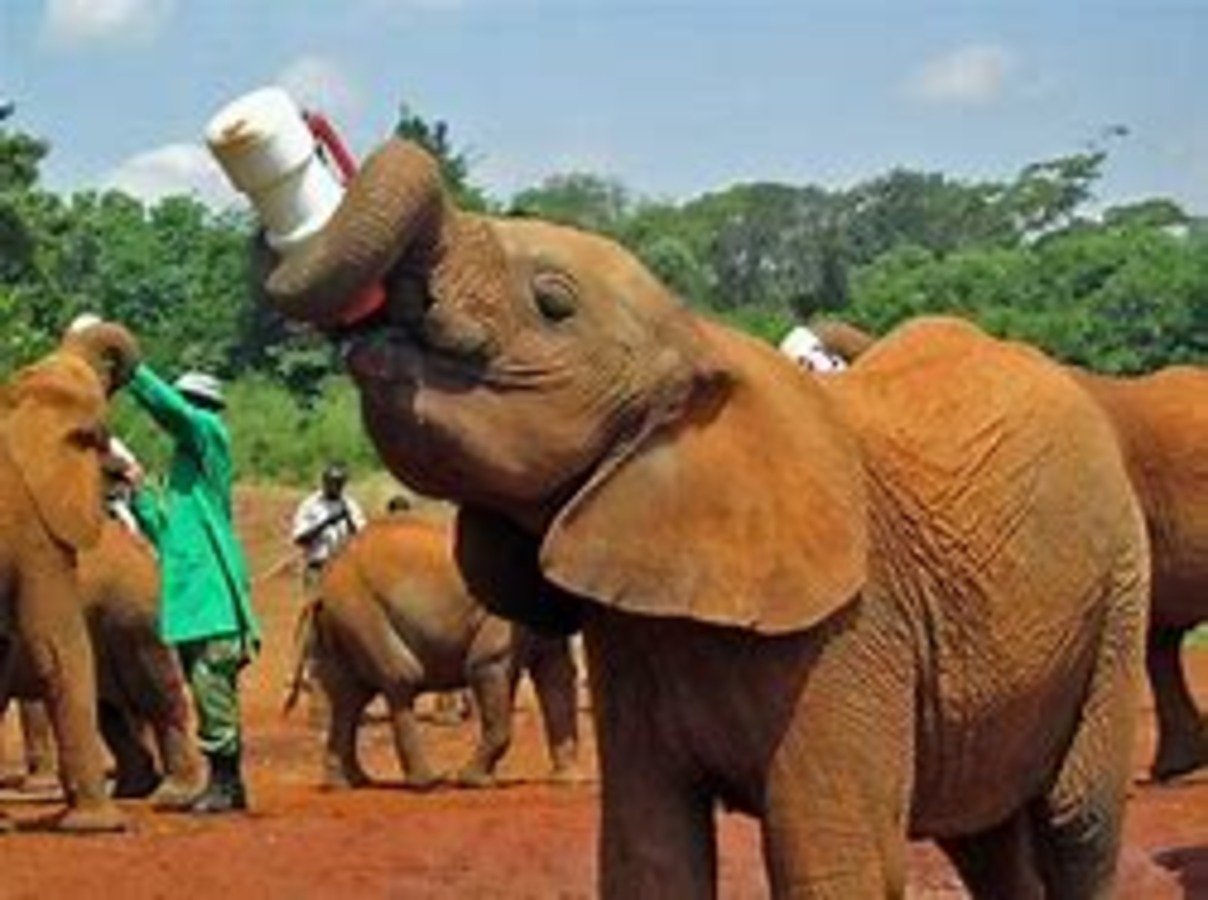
443 270
394 204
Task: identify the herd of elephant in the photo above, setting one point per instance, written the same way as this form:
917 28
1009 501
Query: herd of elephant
911 600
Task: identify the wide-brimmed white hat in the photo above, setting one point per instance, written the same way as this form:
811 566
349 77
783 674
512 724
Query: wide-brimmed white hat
202 386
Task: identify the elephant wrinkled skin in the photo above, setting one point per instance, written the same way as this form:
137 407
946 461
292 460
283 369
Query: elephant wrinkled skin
907 601
1161 420
51 434
395 616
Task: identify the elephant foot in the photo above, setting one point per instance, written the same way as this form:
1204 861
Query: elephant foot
422 781
134 787
176 794
475 777
7 825
40 783
1175 761
340 778
568 774
92 819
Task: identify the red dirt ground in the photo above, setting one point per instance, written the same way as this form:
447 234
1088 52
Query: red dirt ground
525 839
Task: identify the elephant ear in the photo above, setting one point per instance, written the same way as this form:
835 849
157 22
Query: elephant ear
498 563
52 431
746 512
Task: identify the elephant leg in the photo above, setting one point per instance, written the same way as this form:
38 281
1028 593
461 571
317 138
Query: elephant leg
492 686
347 699
1000 863
137 774
166 708
1078 822
554 678
52 623
657 836
1182 742
418 773
41 763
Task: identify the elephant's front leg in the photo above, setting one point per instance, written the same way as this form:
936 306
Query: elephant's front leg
154 690
657 837
1182 737
51 622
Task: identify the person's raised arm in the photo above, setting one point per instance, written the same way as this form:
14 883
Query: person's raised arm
166 404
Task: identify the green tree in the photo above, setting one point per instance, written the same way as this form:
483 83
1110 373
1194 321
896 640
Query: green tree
592 202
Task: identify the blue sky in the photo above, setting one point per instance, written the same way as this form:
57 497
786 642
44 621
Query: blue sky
674 97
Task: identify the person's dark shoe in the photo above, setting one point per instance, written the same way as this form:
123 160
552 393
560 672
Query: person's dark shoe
225 792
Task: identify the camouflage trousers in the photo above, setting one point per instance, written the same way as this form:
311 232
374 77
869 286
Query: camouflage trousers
212 667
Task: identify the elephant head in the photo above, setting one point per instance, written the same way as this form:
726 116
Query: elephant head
53 427
545 379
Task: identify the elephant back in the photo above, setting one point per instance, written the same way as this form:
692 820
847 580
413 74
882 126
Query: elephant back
404 567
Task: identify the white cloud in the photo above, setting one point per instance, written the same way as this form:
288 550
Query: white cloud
71 23
173 169
973 75
321 83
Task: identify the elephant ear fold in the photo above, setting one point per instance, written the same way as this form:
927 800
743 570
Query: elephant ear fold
748 512
498 563
53 427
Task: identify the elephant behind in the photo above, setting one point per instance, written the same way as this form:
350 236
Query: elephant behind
394 616
139 683
908 600
1161 421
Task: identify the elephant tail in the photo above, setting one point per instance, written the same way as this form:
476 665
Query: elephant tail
305 635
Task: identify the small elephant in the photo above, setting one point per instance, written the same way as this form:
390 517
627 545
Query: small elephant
52 433
907 600
1162 423
394 616
139 680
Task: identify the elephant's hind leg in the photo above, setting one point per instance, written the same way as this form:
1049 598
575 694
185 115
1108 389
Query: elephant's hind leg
1182 741
137 774
998 864
348 699
1078 822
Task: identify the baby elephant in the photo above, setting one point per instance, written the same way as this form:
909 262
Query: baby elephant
395 617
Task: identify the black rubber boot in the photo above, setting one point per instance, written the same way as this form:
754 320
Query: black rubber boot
225 792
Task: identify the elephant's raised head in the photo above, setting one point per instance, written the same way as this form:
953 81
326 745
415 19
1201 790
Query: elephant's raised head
53 428
108 348
544 374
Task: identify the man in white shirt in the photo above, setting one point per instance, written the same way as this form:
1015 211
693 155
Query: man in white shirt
324 521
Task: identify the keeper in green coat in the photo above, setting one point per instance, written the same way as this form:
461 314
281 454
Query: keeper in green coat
206 609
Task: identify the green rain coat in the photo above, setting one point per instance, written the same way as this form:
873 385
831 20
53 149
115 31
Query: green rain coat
206 590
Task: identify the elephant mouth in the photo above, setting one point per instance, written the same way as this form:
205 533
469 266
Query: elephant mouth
391 355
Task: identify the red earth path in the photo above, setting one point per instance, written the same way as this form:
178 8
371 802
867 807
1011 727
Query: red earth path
524 839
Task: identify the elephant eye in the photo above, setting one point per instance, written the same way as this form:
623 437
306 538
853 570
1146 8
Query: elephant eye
555 295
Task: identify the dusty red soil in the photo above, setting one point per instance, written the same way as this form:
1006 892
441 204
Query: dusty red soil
524 839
